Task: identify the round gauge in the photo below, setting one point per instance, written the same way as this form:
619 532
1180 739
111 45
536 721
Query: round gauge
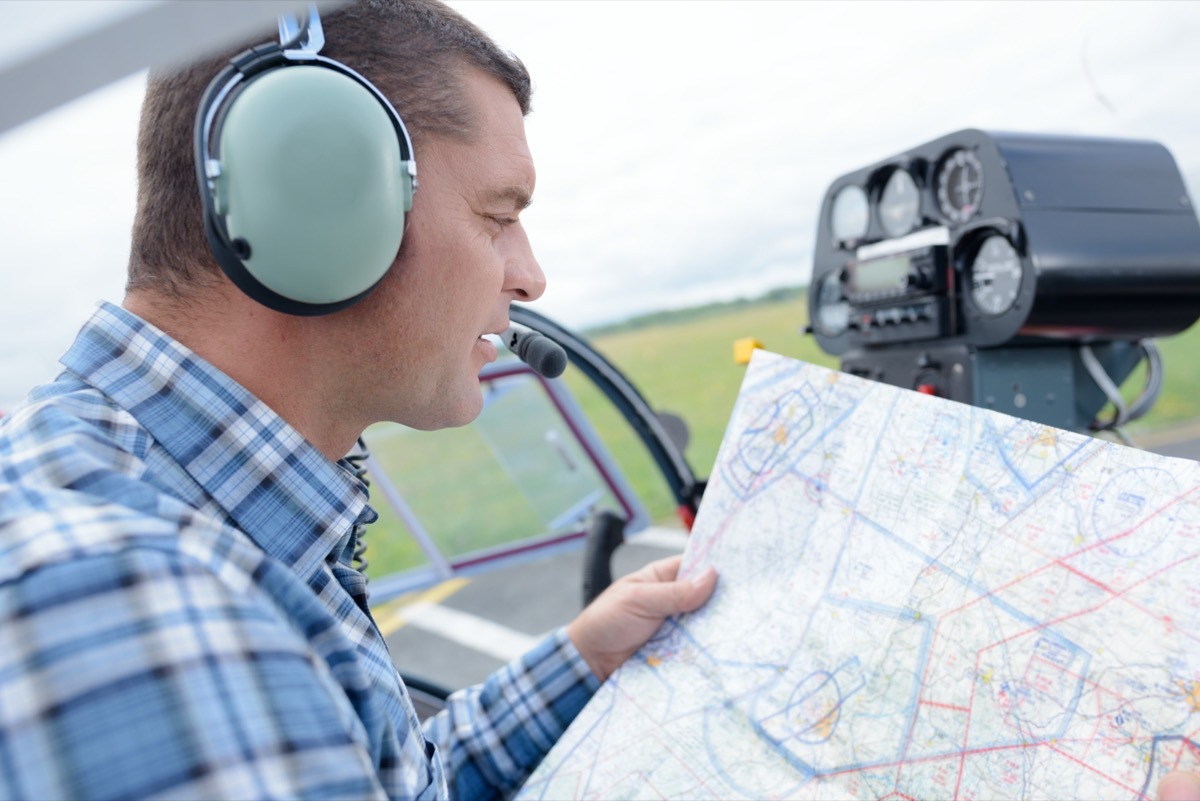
900 204
960 185
850 214
995 276
833 312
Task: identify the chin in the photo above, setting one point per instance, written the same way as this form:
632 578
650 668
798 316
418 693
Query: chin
460 411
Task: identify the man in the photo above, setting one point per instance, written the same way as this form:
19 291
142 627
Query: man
178 611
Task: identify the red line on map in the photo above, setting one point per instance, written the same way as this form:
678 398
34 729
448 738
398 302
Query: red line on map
923 702
1137 791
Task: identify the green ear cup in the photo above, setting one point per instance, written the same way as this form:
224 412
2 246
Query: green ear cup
312 186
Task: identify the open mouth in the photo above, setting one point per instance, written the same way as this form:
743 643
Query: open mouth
488 344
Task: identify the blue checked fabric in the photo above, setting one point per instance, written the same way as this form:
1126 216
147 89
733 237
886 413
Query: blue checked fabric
178 613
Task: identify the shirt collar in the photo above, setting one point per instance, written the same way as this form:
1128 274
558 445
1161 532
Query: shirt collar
298 506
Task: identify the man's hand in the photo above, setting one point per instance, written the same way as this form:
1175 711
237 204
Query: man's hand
1179 786
625 615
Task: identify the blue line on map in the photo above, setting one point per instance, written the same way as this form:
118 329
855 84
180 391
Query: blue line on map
927 627
806 770
1187 741
683 632
992 440
745 493
819 680
1001 605
772 379
715 757
1031 742
891 412
837 561
850 521
1079 685
979 590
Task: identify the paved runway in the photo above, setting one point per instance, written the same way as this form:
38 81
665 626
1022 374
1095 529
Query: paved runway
458 632
461 630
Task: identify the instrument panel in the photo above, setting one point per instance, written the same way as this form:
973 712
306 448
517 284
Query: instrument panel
899 197
981 238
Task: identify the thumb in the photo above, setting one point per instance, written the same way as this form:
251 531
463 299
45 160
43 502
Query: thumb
1179 786
665 598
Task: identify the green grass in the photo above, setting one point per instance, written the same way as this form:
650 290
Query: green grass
1180 398
681 362
687 367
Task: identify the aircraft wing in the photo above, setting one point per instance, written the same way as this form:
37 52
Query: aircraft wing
55 52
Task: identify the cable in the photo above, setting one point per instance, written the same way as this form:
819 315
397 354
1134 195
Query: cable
1154 380
357 460
1106 385
1145 400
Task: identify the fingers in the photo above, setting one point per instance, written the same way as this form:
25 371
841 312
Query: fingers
665 569
659 570
624 616
667 597
1179 786
702 587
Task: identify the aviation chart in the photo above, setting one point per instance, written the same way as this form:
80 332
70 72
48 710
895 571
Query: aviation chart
917 599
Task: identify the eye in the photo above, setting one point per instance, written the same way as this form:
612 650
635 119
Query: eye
502 221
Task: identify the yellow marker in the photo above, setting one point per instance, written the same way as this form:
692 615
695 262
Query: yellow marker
389 617
653 661
780 435
1191 692
824 726
743 349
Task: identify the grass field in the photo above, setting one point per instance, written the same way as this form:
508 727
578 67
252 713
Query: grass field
683 364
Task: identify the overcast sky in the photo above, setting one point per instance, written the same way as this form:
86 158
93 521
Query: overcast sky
683 147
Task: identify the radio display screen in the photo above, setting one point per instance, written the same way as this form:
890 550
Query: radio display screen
877 276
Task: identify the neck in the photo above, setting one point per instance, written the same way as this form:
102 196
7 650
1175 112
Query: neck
279 358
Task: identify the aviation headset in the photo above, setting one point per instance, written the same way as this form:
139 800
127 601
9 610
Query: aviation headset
306 172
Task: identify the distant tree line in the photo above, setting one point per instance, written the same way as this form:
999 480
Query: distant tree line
667 316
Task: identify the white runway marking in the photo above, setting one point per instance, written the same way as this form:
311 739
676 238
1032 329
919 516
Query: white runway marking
483 635
470 630
669 539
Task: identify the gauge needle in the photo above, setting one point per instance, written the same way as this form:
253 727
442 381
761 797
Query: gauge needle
964 186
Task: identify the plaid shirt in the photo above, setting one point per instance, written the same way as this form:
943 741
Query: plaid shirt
178 613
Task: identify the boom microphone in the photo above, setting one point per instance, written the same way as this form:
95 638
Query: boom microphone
540 352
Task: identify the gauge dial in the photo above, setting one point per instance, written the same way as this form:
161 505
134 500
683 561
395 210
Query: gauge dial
900 204
850 214
995 276
960 185
833 312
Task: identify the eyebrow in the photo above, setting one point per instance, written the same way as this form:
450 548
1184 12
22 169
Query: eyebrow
517 195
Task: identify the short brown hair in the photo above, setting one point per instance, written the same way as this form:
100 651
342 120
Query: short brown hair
413 50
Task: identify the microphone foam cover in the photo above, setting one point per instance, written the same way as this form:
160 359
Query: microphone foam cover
544 355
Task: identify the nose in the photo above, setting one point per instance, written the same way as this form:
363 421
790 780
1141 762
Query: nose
524 276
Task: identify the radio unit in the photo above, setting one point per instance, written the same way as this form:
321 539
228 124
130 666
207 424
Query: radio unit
899 297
